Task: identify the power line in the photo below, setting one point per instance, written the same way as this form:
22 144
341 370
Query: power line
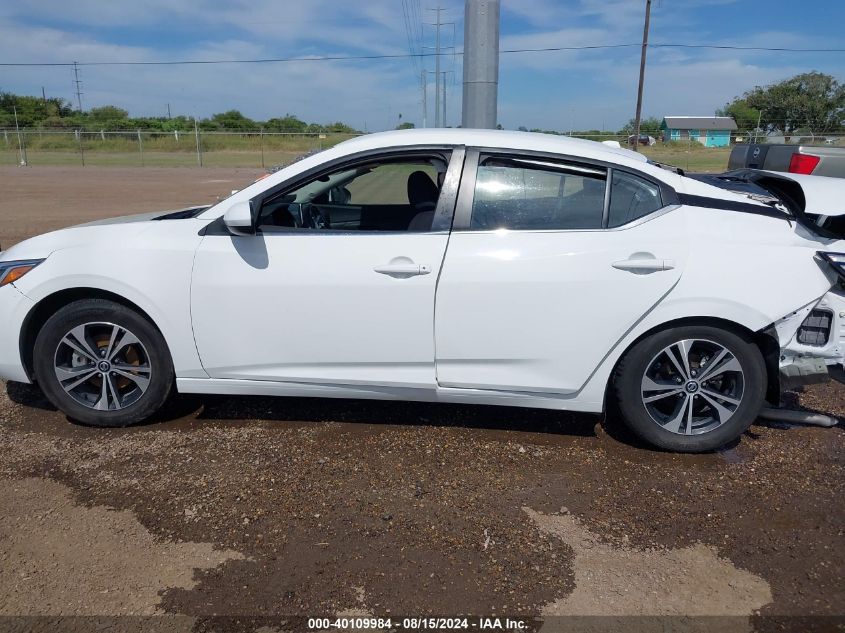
752 48
327 58
409 34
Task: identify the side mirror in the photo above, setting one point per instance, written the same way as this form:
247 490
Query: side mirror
238 219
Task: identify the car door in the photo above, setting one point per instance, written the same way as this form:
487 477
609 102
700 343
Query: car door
549 264
304 302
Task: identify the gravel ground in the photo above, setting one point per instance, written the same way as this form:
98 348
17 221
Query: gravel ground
244 513
316 507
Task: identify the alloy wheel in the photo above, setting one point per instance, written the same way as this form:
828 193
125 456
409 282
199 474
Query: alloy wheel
693 386
102 366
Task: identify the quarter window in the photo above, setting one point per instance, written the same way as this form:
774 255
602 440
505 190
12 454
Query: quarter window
534 195
631 198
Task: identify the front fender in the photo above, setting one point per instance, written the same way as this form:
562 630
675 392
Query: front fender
157 280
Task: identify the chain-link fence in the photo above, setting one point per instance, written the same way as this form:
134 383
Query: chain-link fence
191 148
196 148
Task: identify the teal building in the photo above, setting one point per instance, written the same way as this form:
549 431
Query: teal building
710 131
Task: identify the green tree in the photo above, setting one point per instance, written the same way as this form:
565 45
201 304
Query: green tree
108 118
812 101
649 125
287 123
31 110
339 128
229 120
746 117
405 125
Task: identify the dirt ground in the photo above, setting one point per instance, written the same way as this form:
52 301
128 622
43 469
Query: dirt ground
39 199
229 514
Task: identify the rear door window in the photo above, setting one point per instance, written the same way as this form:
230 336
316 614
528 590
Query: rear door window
524 195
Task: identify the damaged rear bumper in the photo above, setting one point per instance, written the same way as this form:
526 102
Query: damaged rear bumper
814 351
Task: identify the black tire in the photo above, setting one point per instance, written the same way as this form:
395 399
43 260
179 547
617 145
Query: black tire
628 385
86 311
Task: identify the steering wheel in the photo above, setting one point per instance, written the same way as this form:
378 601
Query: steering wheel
314 218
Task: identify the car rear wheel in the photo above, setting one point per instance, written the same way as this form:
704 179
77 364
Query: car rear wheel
692 388
102 363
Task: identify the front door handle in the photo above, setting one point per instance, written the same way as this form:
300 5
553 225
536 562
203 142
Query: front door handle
403 270
644 265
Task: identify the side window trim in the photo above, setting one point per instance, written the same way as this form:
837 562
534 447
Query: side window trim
566 167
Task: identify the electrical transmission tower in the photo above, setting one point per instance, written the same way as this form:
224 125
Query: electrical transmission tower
439 79
78 83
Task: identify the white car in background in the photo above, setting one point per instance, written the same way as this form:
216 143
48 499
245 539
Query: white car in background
459 265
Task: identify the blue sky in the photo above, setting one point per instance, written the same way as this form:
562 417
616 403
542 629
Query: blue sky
579 89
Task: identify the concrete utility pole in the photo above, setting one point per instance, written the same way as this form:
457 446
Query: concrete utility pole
639 114
481 63
437 72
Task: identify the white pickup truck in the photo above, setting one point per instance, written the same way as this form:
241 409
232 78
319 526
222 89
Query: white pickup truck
796 159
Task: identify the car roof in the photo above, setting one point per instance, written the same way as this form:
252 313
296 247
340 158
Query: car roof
493 139
497 139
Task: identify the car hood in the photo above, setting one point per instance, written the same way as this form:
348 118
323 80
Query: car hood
175 214
80 234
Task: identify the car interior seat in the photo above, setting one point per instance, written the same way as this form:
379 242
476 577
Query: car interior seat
422 195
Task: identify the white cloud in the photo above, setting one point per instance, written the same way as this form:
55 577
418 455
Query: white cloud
547 90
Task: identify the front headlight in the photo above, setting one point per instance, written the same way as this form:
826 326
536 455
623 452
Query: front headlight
12 271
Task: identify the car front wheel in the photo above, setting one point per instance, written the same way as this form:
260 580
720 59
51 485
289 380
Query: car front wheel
102 363
691 388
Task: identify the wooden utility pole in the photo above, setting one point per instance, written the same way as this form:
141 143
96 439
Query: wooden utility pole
639 114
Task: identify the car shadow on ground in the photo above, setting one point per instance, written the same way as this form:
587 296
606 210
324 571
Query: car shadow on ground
182 410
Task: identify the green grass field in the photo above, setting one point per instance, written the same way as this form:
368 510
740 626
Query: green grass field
218 150
709 159
246 151
219 158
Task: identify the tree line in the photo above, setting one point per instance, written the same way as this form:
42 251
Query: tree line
57 113
808 103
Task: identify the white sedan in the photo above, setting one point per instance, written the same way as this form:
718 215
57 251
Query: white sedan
464 266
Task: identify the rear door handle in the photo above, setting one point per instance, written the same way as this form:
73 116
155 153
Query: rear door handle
403 270
644 265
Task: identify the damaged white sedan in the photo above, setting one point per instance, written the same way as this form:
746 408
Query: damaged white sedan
464 266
